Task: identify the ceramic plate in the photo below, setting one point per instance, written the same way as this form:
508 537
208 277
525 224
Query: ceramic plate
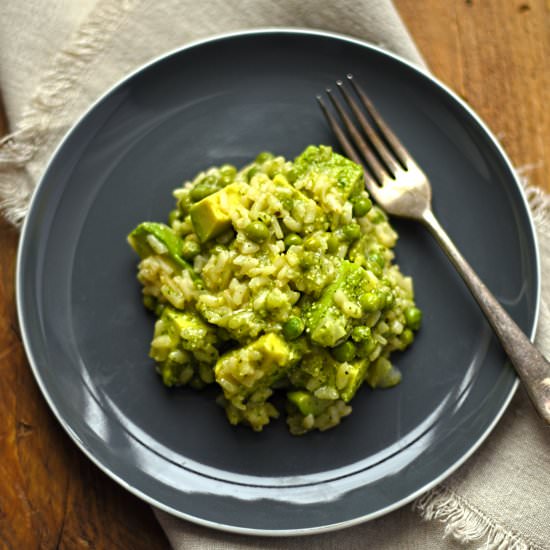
87 333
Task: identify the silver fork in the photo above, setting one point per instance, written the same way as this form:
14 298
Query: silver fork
401 188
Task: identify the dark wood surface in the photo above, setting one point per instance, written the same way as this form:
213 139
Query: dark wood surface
51 495
494 53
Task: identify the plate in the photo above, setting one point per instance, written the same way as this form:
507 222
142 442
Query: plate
87 334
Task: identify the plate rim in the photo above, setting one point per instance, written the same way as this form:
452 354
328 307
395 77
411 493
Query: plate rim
209 40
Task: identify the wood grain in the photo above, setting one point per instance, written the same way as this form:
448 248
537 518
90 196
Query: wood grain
494 53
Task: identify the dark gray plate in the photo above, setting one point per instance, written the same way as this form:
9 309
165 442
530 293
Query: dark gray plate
87 334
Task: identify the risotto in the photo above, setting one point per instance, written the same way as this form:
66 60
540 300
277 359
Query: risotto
277 278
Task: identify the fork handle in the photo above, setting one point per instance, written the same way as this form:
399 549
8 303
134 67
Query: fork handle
530 365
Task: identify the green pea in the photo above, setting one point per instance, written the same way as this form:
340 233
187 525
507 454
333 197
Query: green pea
308 260
184 204
228 171
206 187
288 204
273 169
377 259
375 268
352 231
292 239
190 249
371 301
360 334
344 353
365 348
173 216
361 205
293 327
257 231
414 317
333 243
376 215
264 156
406 337
313 243
389 297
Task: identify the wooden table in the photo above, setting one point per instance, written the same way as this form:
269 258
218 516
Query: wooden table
494 53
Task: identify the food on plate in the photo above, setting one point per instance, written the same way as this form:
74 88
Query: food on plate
277 278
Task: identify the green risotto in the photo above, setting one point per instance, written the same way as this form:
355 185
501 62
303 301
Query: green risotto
277 277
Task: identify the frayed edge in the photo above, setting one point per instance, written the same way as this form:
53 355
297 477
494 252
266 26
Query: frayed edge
539 201
50 100
467 524
16 190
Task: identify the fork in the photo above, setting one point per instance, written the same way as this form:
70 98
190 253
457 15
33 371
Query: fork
401 188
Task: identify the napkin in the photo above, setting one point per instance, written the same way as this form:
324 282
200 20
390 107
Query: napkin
57 58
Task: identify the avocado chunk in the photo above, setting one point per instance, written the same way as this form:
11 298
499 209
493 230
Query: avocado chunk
345 176
294 201
333 379
183 346
350 376
258 365
329 319
306 402
195 335
247 374
150 238
211 216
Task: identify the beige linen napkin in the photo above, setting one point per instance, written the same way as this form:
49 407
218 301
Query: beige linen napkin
500 497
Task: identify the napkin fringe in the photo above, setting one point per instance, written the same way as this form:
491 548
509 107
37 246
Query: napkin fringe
48 104
466 523
539 201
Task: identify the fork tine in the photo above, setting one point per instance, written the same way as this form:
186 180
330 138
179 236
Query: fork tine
340 136
401 154
346 146
377 143
372 162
